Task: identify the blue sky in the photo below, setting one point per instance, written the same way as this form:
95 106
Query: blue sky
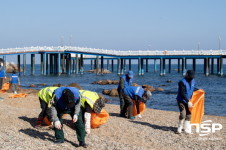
115 24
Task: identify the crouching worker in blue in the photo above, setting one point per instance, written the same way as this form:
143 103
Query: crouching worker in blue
67 101
186 87
136 93
125 80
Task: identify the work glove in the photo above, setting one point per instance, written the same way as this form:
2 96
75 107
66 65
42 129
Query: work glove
87 130
139 116
57 125
75 118
190 105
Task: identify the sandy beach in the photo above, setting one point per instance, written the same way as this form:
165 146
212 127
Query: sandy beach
156 130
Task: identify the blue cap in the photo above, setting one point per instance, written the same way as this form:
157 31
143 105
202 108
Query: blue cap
130 74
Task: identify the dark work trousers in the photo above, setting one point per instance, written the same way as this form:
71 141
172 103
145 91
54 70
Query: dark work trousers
79 127
122 101
128 107
43 106
1 83
184 111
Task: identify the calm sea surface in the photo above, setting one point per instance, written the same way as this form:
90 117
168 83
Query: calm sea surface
213 85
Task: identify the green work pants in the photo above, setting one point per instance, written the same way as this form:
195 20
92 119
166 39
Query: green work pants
79 127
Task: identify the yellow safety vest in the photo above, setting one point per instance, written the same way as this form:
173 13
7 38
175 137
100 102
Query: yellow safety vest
46 94
89 97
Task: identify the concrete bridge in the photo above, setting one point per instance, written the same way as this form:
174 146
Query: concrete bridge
68 59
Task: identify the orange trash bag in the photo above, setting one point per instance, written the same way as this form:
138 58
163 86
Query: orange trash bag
99 119
5 86
17 95
142 107
46 121
197 111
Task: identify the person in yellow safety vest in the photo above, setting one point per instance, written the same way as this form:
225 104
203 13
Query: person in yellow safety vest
90 101
45 96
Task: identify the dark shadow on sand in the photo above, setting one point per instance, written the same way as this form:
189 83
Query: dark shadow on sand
38 134
32 121
163 128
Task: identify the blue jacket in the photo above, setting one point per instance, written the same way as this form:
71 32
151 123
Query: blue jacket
131 91
14 79
2 72
188 91
127 81
58 96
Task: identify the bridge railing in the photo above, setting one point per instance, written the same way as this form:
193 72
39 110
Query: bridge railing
110 52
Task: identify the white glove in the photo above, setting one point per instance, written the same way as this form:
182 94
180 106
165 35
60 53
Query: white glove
88 130
139 116
75 118
57 125
190 105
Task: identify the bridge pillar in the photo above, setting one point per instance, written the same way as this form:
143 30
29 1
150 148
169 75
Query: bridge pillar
51 63
97 64
91 64
164 67
139 66
178 65
77 64
4 63
63 63
107 64
183 66
169 66
147 65
18 64
118 66
59 71
130 64
102 64
121 66
194 64
81 64
47 63
218 66
124 65
161 66
24 64
68 63
155 65
32 64
212 65
112 65
142 66
44 63
221 67
207 66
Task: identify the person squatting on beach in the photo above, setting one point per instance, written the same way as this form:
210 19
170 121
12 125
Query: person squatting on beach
186 87
2 74
125 80
66 100
45 96
136 93
90 102
14 81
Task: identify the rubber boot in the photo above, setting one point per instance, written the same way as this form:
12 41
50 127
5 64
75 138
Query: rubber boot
130 110
180 126
187 127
